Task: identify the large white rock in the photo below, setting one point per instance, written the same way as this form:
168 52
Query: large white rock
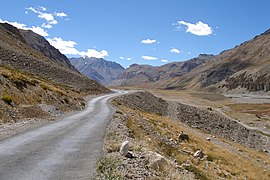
198 154
124 148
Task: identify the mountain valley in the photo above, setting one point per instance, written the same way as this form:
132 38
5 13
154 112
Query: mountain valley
220 102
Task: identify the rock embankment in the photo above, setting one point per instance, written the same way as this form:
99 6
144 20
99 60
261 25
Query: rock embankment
199 118
145 101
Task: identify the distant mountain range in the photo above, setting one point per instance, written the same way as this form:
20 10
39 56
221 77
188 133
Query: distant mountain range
150 76
98 69
242 69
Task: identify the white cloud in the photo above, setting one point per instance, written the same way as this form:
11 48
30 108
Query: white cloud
39 31
148 41
149 58
94 53
68 47
61 14
65 47
35 29
48 17
199 29
174 50
129 59
164 60
48 26
42 8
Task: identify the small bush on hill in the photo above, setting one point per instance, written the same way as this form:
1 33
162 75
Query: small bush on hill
7 99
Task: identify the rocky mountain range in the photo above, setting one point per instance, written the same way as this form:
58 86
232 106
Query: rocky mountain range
147 76
98 69
242 69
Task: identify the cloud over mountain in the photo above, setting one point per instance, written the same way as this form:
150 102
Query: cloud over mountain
68 48
149 58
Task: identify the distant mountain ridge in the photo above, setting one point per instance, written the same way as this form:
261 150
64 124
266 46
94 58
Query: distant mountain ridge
147 76
98 69
242 69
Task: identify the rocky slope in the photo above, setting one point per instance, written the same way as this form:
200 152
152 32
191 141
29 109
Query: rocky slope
145 75
97 69
39 43
195 117
28 77
156 151
243 69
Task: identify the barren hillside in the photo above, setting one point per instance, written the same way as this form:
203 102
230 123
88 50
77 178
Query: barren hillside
31 75
155 76
242 69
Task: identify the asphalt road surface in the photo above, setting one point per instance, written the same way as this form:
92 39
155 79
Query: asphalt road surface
66 149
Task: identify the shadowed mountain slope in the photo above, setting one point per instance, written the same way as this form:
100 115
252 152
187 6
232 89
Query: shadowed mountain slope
98 69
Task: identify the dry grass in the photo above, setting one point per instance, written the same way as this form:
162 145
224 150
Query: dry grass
25 89
259 109
244 163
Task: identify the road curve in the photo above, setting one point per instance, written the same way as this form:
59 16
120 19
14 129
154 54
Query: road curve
65 149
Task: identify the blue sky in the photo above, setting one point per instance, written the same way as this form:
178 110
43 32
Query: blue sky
151 32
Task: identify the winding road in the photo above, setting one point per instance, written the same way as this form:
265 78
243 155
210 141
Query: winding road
65 149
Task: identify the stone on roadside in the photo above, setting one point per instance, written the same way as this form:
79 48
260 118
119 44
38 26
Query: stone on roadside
156 161
183 136
124 148
198 154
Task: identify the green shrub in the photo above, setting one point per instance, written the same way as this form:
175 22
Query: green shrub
107 167
7 99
